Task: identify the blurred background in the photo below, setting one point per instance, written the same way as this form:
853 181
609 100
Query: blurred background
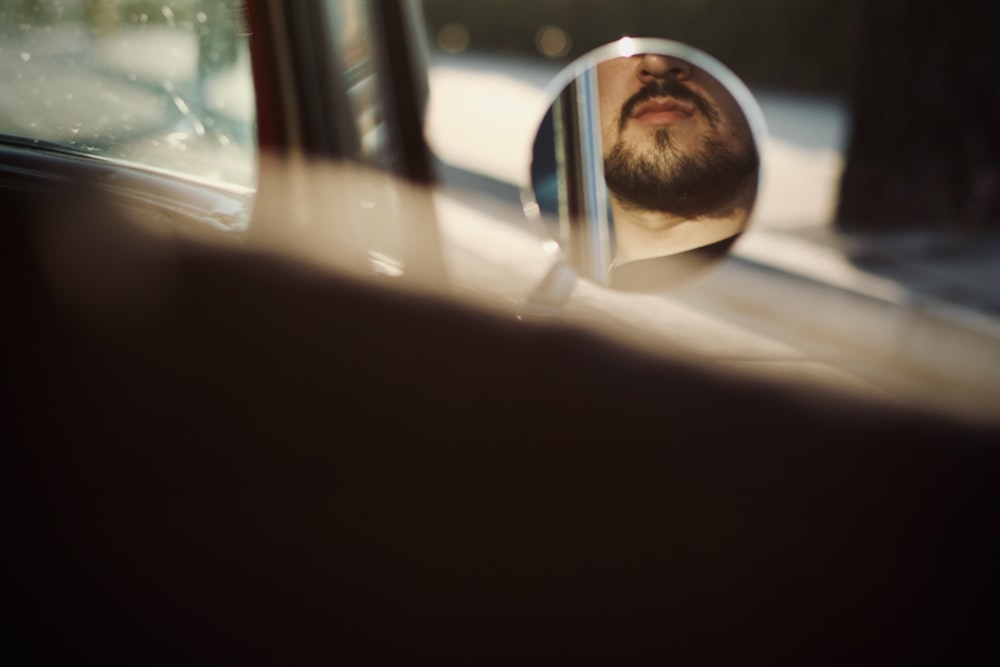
882 113
783 44
881 180
902 71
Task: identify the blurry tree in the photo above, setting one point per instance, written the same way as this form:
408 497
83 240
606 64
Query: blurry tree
925 144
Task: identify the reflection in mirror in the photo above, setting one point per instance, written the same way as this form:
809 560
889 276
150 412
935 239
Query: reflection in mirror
646 166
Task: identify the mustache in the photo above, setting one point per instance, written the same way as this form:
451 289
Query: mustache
669 87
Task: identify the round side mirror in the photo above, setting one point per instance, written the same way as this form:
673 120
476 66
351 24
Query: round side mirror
646 166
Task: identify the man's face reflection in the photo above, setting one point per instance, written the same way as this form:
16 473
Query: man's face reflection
674 139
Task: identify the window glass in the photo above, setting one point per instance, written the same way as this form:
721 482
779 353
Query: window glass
165 84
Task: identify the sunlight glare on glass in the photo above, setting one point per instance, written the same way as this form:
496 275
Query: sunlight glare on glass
626 47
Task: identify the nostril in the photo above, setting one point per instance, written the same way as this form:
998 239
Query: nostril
654 66
678 69
679 72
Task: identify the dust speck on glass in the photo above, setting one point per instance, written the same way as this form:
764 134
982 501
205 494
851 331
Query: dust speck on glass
163 84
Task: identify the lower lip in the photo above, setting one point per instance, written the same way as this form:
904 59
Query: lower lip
663 117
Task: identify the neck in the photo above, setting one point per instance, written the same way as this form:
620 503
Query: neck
642 234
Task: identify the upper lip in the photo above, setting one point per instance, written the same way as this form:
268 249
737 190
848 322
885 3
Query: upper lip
663 104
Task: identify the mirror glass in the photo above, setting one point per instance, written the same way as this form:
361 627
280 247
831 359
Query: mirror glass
646 166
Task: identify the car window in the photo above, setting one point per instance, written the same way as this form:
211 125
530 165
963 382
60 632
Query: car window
163 84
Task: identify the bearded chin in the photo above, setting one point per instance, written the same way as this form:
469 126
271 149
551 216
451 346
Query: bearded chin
661 179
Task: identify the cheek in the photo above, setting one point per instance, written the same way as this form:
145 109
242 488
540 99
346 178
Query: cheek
609 126
607 115
608 141
733 118
739 133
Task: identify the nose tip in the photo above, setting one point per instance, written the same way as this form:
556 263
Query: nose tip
653 66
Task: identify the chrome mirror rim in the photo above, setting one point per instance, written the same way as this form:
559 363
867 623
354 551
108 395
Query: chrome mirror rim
623 48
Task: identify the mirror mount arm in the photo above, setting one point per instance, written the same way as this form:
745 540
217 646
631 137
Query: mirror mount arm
550 296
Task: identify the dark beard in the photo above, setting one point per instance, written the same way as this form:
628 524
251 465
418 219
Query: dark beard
670 182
